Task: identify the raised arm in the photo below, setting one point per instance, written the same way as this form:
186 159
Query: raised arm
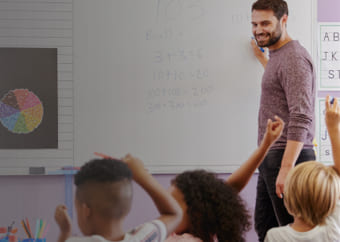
171 213
242 175
333 126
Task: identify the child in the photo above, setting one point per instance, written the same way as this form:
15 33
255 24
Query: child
311 194
212 208
103 199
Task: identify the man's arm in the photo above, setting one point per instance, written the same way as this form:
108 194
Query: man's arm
292 151
333 126
171 213
298 85
261 56
241 176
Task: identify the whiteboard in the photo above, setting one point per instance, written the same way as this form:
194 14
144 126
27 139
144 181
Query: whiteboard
172 82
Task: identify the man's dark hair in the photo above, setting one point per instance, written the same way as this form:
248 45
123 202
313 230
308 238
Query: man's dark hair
279 7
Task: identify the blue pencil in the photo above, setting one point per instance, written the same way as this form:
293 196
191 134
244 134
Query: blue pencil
37 228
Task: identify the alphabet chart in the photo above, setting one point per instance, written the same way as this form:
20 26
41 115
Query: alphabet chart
328 60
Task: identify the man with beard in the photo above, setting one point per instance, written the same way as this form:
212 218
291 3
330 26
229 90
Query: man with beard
288 90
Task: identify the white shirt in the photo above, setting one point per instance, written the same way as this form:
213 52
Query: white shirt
329 232
154 231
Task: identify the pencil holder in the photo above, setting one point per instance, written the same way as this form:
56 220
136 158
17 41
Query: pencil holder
11 238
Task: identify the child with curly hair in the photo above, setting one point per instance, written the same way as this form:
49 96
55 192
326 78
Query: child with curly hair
311 194
212 208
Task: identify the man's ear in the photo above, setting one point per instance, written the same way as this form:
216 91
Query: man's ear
284 20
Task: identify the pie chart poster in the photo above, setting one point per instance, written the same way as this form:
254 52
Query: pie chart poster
28 98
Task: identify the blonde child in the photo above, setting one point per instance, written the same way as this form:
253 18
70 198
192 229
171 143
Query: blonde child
312 192
103 199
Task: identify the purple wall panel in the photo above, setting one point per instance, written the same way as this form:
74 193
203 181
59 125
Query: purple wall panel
37 196
328 10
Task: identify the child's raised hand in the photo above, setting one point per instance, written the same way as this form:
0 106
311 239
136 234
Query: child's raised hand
136 166
63 220
332 115
274 129
332 120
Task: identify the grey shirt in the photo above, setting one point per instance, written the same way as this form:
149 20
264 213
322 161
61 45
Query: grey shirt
288 90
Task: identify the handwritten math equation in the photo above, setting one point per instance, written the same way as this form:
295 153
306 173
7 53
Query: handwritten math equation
177 98
179 77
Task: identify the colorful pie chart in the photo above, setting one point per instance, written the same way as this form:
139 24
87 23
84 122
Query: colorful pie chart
21 111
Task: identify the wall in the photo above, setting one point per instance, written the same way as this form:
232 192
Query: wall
37 196
328 10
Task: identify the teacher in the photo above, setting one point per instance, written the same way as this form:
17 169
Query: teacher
287 90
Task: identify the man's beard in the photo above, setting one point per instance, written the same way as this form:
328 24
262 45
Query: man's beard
274 38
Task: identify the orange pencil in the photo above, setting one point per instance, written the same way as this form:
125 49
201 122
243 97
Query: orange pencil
25 228
28 227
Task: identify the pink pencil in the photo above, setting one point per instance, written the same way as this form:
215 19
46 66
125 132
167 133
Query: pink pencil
103 155
46 230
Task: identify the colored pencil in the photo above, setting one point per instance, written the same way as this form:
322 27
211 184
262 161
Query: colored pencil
46 230
103 155
25 228
42 229
28 227
37 227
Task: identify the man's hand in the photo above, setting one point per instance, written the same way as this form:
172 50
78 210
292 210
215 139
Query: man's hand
280 180
261 56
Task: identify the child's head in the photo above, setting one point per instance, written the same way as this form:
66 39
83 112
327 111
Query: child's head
211 207
311 192
103 193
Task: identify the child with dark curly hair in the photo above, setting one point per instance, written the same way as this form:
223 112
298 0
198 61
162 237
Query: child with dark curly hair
212 208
